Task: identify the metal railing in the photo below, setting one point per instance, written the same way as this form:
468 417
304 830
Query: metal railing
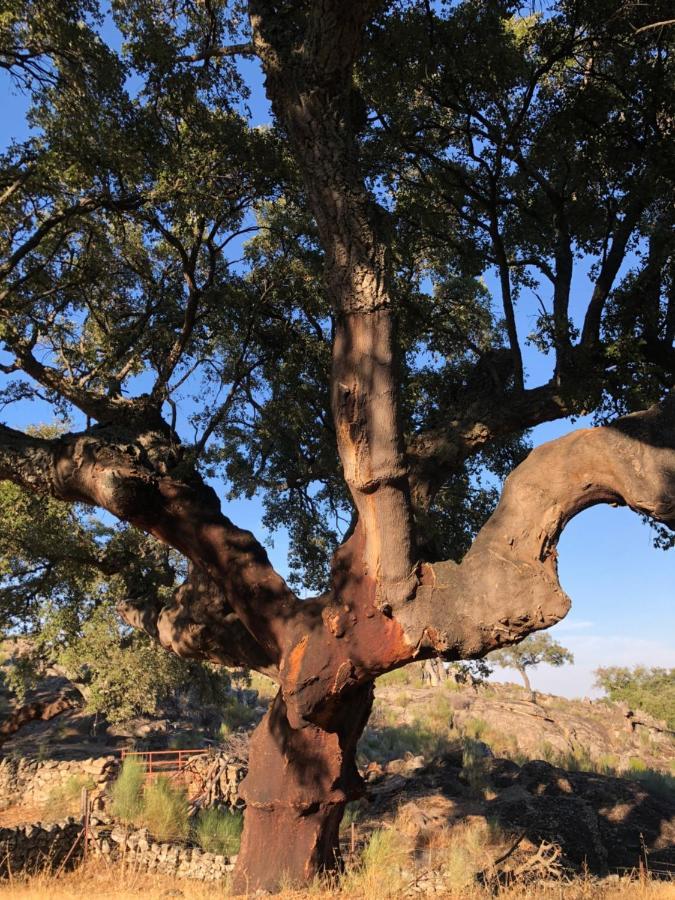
163 762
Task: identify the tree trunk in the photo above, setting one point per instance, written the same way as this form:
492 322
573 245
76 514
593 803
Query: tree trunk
298 783
434 672
528 686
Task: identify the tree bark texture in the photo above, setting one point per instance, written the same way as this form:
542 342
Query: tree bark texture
298 783
526 681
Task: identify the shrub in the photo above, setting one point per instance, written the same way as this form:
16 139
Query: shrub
384 744
650 689
127 791
475 728
407 675
165 810
635 764
266 688
660 783
235 715
219 831
469 852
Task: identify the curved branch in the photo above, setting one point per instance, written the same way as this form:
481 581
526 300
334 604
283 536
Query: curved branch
198 623
435 453
507 584
106 468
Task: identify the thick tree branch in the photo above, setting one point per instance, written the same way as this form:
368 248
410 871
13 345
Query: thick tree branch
115 471
309 81
198 623
84 206
610 267
507 584
245 49
435 453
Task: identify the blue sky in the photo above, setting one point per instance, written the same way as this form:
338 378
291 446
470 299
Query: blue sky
621 587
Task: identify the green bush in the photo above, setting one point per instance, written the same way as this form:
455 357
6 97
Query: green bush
127 791
219 831
475 728
475 766
649 689
165 810
393 742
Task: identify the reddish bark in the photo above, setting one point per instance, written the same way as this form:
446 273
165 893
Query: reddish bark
298 783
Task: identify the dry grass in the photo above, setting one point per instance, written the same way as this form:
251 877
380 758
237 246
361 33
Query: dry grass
97 881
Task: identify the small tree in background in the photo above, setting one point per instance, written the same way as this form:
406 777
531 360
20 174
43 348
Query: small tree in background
533 651
649 689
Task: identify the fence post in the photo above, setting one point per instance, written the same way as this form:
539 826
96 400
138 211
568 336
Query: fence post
84 808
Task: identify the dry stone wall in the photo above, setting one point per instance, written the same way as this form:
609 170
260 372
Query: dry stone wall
36 847
138 849
33 848
32 782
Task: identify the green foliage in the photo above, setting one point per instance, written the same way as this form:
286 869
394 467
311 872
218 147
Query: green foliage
165 810
122 679
475 728
648 689
51 583
219 830
384 743
237 715
127 791
485 136
475 766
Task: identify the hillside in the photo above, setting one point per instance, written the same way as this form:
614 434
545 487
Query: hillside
464 783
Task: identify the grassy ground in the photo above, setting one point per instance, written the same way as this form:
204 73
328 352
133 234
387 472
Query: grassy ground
100 882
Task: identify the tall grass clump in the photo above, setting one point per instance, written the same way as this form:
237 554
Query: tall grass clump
475 767
380 872
165 810
469 851
219 830
127 791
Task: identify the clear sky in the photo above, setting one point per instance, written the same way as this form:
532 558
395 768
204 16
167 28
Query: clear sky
621 587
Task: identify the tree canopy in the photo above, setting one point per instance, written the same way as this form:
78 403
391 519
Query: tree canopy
326 310
651 689
535 650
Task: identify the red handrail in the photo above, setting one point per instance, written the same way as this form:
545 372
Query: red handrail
170 761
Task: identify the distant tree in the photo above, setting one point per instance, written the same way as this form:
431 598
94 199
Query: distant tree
649 689
533 651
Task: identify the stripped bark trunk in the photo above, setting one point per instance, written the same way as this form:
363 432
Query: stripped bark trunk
298 783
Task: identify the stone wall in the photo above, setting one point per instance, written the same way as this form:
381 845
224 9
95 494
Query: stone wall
33 848
32 782
138 849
